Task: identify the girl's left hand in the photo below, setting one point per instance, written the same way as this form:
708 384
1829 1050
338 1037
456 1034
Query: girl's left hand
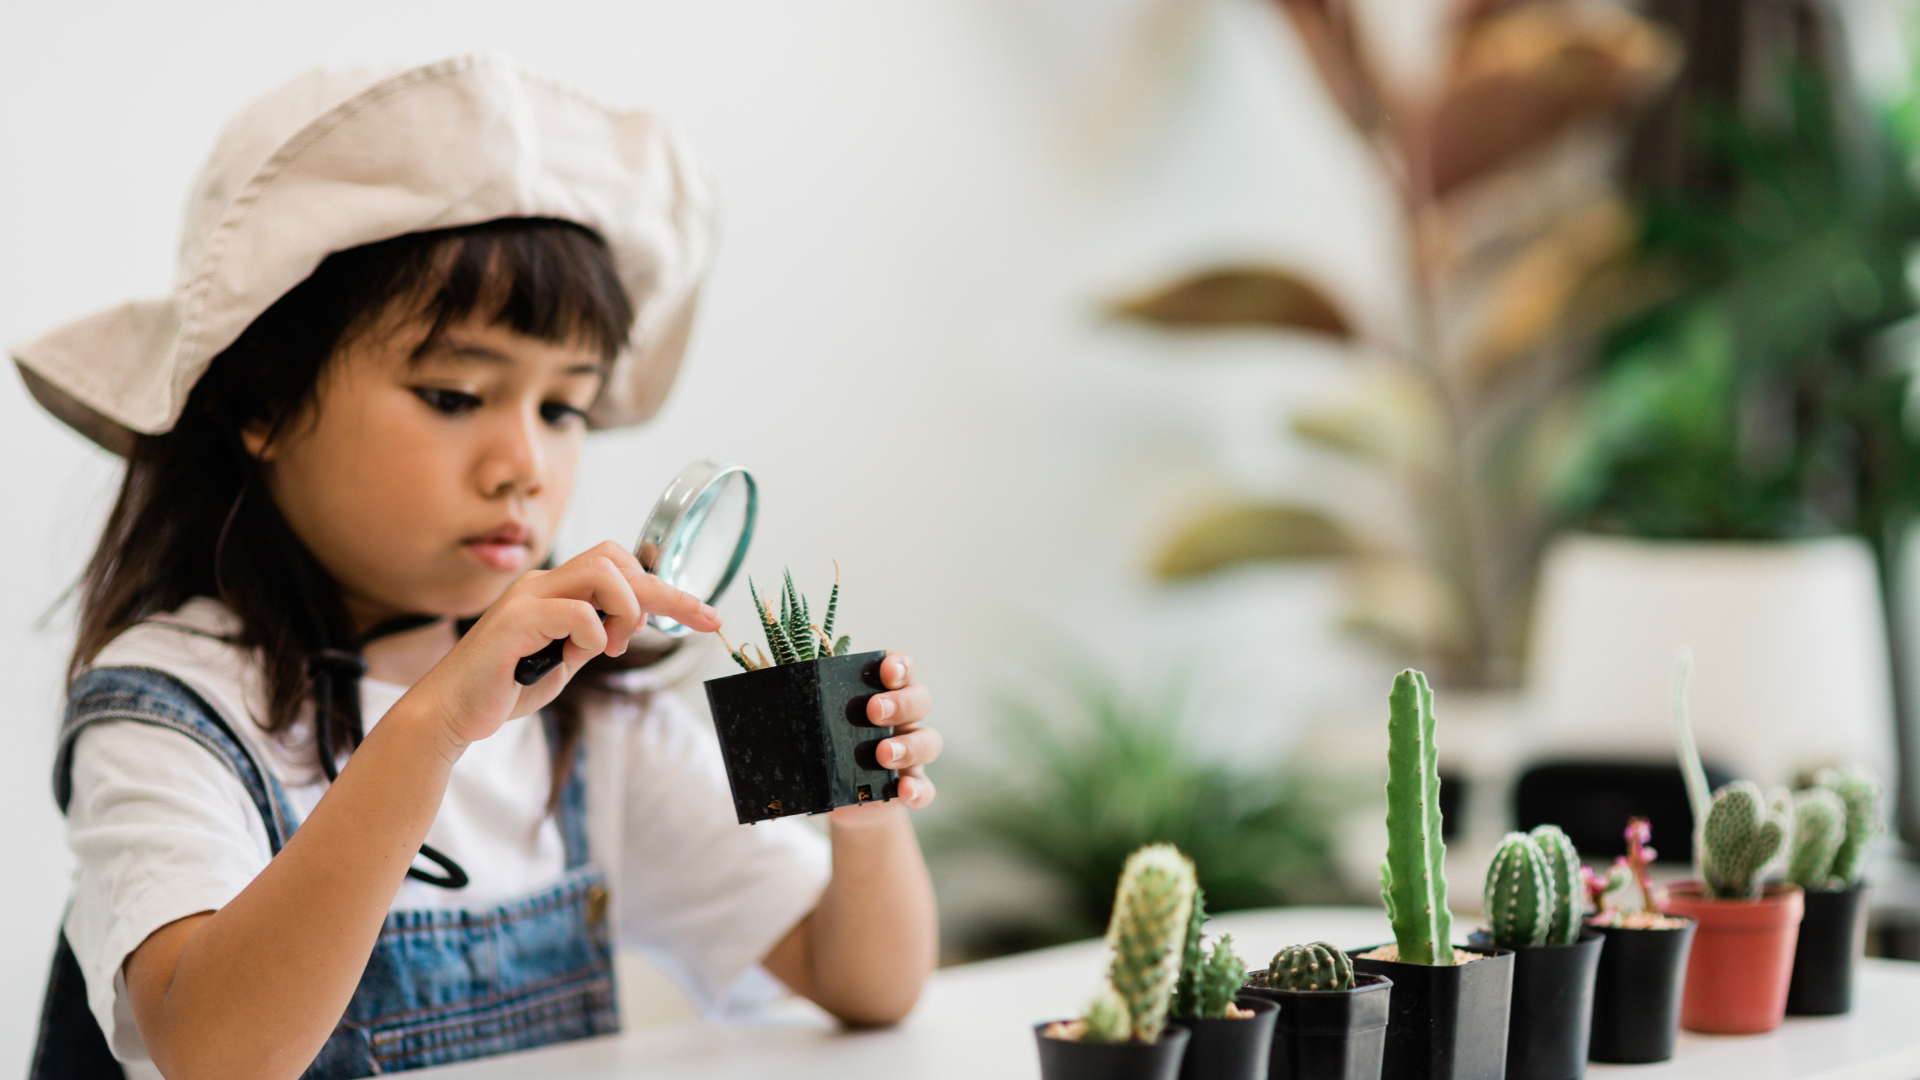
910 748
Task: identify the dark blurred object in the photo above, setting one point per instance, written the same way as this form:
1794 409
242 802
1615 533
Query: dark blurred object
1453 804
1767 396
1592 800
1501 171
1085 773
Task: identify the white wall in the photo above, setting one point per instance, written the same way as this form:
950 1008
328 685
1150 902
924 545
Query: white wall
926 205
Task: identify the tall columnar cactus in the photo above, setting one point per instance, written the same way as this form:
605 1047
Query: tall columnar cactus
1520 898
1743 834
1860 790
1819 828
1412 881
1148 935
1563 869
1319 966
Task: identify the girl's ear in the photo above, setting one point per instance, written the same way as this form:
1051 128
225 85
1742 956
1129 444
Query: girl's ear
257 437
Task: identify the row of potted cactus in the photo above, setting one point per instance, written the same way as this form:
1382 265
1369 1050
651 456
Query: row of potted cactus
1533 996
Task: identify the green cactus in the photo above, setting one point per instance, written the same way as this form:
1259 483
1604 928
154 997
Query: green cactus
1412 881
1741 837
1220 979
1520 898
1859 789
1105 1020
1186 991
1318 966
1151 911
791 636
1563 870
1819 828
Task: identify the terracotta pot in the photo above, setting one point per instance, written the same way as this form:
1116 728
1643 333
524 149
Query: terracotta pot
1742 958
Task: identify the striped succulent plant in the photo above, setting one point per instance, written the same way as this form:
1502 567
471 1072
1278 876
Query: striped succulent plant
792 635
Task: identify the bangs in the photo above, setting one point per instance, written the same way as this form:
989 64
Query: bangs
550 280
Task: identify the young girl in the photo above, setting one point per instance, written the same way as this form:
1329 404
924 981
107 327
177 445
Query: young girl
320 829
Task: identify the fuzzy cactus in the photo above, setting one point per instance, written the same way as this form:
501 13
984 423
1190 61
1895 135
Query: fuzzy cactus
1148 935
1520 898
1319 966
1106 1019
1859 789
1743 834
1563 870
1412 881
1819 828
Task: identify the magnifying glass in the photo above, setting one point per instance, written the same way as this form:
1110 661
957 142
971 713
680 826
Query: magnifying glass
695 540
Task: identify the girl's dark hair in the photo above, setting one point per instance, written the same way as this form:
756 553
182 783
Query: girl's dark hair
194 516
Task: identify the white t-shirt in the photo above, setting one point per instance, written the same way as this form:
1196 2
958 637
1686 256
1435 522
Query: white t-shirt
162 829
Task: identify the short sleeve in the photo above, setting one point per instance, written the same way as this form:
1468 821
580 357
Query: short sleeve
700 894
160 829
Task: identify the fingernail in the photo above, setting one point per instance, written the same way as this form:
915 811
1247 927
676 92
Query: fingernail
899 752
886 709
709 612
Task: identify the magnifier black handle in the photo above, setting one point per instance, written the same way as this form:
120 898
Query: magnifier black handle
531 669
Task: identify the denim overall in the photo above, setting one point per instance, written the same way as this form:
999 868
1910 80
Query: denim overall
441 985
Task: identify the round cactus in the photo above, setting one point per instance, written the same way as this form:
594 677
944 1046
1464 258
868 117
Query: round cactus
1563 872
1520 898
1318 966
1742 835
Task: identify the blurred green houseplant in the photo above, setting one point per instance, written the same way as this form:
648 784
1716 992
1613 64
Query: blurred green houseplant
1501 173
1085 772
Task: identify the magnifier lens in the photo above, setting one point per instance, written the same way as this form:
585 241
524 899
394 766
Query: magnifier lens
710 508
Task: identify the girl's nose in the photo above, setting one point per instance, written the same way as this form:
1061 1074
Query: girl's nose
515 461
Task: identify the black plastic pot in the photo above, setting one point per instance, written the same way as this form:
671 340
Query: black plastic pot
1636 993
1832 933
1062 1059
795 737
1445 1023
1328 1034
1230 1049
1552 1012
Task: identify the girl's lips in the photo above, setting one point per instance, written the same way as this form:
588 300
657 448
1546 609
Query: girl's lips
504 548
498 555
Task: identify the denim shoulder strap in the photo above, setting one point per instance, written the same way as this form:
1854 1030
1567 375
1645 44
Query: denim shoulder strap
572 806
148 696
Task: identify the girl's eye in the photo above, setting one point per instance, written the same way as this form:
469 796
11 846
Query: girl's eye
560 414
447 402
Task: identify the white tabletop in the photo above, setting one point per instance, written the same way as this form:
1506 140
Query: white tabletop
976 1021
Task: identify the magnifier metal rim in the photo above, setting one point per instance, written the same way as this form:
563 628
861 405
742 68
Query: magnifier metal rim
694 488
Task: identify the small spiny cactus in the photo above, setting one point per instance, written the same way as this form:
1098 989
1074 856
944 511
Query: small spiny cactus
1318 966
1742 836
1106 1018
1151 911
1563 870
1520 897
1221 977
1186 991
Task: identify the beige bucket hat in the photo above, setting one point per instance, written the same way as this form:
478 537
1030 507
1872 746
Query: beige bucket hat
337 158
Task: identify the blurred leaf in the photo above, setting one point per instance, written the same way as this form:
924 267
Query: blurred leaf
1528 72
1393 421
1404 603
1530 298
1235 535
1241 297
1328 33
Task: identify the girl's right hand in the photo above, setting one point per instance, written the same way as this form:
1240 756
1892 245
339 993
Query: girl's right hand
472 688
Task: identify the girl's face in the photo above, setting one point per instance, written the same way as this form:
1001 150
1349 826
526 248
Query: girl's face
426 485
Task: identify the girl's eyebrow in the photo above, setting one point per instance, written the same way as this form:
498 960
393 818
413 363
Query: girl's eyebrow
468 351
